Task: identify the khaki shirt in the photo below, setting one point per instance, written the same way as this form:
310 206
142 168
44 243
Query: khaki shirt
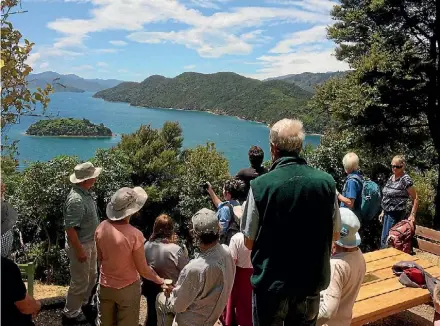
80 212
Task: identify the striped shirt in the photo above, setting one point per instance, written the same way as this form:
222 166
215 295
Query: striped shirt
395 193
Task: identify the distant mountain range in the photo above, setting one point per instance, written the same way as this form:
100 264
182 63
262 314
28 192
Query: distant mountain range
221 93
70 83
307 80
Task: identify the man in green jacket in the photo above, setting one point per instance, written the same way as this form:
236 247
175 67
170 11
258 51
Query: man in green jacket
289 222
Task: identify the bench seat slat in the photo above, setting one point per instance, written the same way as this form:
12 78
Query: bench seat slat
375 289
428 233
379 307
381 254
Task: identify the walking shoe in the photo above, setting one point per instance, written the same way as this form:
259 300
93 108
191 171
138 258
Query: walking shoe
78 320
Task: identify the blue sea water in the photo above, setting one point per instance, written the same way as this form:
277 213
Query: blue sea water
232 136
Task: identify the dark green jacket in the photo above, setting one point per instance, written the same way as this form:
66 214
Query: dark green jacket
291 252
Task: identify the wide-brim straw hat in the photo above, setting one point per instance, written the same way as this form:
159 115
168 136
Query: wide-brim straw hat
84 171
125 202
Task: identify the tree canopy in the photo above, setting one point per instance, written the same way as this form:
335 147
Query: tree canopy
390 100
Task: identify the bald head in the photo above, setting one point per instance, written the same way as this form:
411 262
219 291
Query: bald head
287 136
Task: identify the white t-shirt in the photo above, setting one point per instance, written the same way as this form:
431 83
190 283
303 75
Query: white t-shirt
240 254
337 301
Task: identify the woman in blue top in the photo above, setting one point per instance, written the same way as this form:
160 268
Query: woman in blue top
398 189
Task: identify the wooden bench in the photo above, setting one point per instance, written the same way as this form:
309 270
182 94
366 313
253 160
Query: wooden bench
381 294
428 240
27 273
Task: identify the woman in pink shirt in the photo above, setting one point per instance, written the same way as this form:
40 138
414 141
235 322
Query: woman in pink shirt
121 256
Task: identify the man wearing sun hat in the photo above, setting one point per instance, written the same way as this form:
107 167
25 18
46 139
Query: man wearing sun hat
204 285
347 273
80 222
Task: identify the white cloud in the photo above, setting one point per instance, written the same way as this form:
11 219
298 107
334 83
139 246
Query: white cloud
313 35
189 67
118 43
298 62
122 70
44 65
311 5
211 4
102 64
83 68
210 35
33 58
105 50
208 43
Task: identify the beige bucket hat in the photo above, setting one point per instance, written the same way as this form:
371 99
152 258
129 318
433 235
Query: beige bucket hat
125 202
84 171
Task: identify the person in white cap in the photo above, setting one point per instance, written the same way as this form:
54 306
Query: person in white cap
80 222
347 274
121 254
204 285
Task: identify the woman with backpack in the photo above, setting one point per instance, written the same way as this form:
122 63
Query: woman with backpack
395 194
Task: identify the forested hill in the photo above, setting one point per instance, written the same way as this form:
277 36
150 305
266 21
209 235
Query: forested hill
68 127
308 80
222 93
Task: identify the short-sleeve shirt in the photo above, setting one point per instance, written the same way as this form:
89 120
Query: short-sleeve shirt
116 243
224 214
80 212
167 259
353 190
395 193
239 252
13 290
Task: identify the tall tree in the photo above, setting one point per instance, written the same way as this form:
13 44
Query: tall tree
17 98
393 47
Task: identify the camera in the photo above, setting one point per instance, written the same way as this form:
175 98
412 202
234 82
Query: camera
204 186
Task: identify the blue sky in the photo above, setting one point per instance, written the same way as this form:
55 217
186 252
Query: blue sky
133 39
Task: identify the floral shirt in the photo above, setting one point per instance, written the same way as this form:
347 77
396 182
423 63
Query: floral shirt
395 193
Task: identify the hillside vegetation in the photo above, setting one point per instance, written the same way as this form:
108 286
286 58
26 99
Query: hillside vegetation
309 80
68 127
222 93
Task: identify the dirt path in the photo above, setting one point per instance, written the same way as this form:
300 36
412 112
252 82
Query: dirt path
420 315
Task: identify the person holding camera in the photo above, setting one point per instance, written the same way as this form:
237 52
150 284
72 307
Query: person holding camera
229 211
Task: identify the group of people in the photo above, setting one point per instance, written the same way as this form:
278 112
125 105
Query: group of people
282 248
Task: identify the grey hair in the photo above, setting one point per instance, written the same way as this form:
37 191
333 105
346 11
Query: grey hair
350 161
287 135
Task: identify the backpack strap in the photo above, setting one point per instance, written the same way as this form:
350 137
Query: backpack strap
356 177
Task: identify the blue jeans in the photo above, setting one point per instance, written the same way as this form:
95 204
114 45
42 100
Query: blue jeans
272 309
389 220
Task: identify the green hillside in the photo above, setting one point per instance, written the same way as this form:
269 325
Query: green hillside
222 93
308 80
68 127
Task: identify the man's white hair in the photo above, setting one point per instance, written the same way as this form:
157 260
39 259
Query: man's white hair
350 162
287 135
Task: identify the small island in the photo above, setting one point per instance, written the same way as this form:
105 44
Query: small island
68 127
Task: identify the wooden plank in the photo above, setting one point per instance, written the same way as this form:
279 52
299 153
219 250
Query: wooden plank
389 262
428 246
428 233
374 289
386 273
379 307
381 254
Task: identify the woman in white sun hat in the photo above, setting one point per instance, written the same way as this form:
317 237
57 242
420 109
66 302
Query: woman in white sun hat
347 273
122 259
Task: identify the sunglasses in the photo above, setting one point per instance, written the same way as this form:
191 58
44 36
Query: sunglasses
396 166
